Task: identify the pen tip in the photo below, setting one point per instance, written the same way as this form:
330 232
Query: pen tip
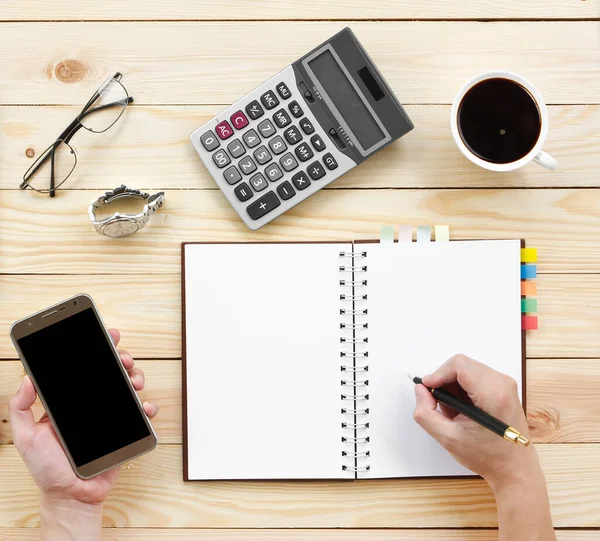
409 377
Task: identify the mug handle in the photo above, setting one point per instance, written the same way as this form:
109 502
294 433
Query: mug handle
545 160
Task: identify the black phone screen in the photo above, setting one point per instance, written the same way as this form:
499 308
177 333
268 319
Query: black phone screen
83 386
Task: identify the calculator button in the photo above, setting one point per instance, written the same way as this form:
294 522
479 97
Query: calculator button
306 126
239 120
281 118
304 152
254 110
316 170
277 145
251 138
259 183
301 180
262 155
236 149
266 129
295 109
247 165
273 172
224 130
232 175
263 206
243 192
209 140
221 159
283 91
317 142
269 100
286 191
288 162
329 161
292 135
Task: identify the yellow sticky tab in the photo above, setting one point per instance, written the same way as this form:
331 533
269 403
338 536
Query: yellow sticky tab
528 255
442 233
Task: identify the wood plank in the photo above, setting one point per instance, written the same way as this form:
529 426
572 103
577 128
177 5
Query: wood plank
193 63
54 235
295 9
151 493
561 398
151 147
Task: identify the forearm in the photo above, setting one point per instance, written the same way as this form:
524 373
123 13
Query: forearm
67 520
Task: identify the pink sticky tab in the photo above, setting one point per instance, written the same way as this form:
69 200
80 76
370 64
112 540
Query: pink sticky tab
529 323
405 233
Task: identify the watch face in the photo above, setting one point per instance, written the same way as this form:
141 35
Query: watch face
120 228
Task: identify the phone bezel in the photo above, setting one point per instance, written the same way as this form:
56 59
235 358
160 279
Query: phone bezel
50 316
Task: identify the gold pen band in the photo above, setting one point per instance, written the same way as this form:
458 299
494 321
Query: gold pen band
512 434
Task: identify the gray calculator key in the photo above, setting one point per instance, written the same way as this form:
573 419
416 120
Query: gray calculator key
281 118
258 182
288 162
247 165
262 155
301 180
307 126
209 140
292 135
317 142
269 99
243 192
263 206
266 128
295 109
304 152
316 170
277 145
273 172
236 149
221 158
286 191
254 110
283 90
329 161
232 175
251 139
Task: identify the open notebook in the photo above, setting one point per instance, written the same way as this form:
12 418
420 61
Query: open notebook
296 355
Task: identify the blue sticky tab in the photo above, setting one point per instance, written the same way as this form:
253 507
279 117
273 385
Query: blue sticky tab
423 233
528 272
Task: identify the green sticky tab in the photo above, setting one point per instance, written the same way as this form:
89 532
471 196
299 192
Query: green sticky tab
528 305
387 234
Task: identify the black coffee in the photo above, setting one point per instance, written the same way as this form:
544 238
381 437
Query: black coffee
499 121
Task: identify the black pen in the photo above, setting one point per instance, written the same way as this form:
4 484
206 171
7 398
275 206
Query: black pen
479 416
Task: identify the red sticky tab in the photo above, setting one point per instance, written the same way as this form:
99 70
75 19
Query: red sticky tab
529 323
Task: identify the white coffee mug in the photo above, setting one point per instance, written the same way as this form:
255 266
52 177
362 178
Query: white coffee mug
536 153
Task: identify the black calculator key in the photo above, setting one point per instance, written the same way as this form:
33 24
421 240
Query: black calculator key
236 149
243 192
232 175
254 110
251 138
209 140
262 155
307 126
301 180
288 162
266 129
277 145
221 158
258 182
295 109
283 91
292 135
286 191
329 161
269 100
304 152
317 142
316 170
263 206
281 118
247 165
273 172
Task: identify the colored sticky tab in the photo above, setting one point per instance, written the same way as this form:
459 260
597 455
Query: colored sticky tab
528 255
423 233
528 305
442 233
529 323
405 233
528 289
528 272
387 234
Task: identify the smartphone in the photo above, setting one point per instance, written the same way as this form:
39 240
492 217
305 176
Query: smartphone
85 389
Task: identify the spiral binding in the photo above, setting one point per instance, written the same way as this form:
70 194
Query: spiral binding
352 312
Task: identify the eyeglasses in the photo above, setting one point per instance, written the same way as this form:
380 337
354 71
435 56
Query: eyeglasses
100 113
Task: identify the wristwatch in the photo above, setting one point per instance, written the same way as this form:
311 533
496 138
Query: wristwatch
121 225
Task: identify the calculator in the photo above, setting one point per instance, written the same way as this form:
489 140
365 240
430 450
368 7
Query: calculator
299 131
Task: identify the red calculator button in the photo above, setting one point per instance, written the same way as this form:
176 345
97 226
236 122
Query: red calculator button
239 120
224 130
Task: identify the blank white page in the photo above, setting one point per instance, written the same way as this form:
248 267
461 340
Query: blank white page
263 361
427 302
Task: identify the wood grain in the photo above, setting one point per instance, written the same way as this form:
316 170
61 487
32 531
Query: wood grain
150 146
203 63
151 493
562 398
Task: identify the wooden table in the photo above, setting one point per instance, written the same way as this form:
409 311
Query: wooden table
183 61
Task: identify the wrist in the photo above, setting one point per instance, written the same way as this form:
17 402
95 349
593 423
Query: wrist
68 519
